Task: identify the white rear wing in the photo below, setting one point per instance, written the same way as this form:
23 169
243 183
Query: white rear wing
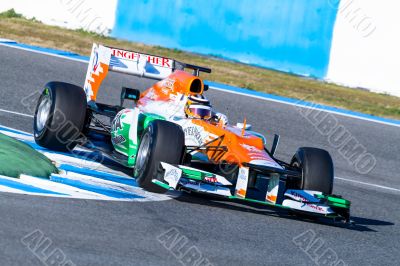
104 59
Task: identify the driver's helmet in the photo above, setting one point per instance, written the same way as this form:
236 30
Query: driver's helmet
198 107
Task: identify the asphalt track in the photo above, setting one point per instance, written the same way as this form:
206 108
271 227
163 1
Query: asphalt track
92 232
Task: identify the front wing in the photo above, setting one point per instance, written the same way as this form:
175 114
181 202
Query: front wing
314 203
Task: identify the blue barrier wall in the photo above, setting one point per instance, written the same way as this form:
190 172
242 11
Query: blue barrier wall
289 35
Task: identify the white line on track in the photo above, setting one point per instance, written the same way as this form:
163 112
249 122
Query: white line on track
15 113
70 191
367 184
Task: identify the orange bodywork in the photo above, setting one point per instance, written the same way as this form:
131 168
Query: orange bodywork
177 83
242 146
97 79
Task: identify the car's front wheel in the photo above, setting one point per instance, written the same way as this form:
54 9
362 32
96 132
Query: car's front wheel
317 170
162 141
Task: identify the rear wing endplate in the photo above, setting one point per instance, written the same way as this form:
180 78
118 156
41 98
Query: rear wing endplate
104 59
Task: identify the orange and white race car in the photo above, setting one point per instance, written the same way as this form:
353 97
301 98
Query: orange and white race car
173 139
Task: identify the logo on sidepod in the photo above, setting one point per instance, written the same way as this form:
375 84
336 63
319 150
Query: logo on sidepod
117 125
193 132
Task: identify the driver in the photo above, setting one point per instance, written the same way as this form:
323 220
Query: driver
199 107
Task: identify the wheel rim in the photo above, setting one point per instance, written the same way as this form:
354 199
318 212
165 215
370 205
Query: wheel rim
43 112
143 152
297 165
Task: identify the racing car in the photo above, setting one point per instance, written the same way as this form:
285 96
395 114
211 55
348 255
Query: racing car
172 139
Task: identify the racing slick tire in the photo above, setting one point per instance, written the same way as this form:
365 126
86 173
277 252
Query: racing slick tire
162 141
59 116
317 169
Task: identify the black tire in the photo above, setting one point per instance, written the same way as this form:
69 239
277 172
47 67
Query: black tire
165 142
60 123
317 168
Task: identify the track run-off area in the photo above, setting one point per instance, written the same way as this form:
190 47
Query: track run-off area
89 227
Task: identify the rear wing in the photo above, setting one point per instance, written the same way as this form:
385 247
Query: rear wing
104 59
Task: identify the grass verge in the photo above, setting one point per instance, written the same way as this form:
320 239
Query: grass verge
18 158
14 26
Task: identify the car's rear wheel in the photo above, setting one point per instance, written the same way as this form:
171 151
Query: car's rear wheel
317 170
59 116
162 141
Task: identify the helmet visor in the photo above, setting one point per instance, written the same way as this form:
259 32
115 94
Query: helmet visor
200 111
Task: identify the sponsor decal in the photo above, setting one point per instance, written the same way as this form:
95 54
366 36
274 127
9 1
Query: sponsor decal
298 196
301 196
309 207
116 128
154 60
173 174
165 90
168 83
193 132
189 182
95 61
117 125
211 179
249 148
257 155
119 139
242 181
315 207
273 186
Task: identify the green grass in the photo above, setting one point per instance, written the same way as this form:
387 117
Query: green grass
14 26
18 158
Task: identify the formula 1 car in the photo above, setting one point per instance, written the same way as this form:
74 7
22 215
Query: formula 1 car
173 140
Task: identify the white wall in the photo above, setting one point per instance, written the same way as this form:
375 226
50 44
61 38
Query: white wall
366 45
93 15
